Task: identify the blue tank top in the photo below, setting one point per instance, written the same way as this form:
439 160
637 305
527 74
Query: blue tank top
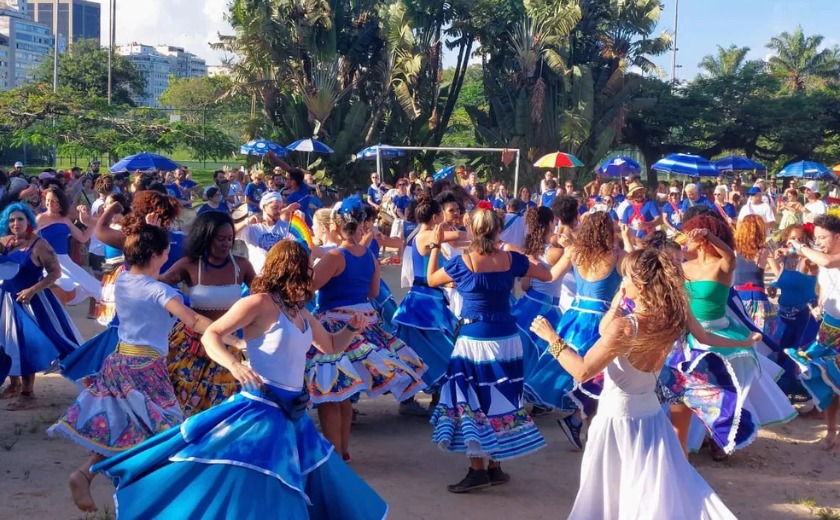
408 228
28 273
747 272
176 249
374 248
351 286
421 264
112 252
603 289
798 289
57 236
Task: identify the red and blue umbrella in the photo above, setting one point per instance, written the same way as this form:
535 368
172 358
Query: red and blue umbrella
686 164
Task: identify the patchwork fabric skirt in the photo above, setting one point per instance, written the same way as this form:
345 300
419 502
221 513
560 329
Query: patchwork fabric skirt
198 381
481 411
128 401
763 313
375 362
106 307
819 364
255 456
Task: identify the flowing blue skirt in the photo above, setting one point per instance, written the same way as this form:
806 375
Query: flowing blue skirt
528 307
797 331
36 334
549 384
90 356
424 322
385 306
819 364
255 456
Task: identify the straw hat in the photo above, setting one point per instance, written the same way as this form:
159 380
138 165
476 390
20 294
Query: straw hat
633 187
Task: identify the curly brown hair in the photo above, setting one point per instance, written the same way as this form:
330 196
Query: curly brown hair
539 221
750 236
146 203
595 242
662 303
287 275
716 226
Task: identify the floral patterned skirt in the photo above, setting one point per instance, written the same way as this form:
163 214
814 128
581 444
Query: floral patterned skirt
481 412
198 381
819 364
128 401
106 307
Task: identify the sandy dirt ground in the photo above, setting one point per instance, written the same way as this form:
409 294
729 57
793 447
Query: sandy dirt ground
785 474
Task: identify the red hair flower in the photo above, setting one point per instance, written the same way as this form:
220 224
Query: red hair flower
484 204
809 228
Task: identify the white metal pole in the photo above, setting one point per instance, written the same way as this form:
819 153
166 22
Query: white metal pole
55 45
378 163
516 175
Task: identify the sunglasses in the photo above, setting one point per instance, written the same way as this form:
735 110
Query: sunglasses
401 185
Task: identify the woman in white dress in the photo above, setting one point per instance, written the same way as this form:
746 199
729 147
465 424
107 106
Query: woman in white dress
632 450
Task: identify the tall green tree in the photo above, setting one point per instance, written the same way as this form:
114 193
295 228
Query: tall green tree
84 69
799 61
725 63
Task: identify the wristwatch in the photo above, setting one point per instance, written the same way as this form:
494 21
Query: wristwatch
434 245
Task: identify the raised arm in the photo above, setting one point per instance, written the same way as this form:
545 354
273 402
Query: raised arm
102 228
338 341
599 356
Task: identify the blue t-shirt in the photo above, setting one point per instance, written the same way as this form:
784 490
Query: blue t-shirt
500 203
253 194
644 213
523 206
728 208
548 197
223 208
401 202
375 194
673 215
302 197
701 201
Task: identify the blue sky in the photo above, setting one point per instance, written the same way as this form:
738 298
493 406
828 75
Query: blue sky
704 24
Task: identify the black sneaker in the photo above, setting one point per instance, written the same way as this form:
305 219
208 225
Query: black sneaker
475 479
571 426
497 476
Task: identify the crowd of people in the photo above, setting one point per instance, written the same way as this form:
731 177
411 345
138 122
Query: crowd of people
641 318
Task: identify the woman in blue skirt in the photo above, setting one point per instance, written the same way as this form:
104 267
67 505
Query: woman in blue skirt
258 454
481 411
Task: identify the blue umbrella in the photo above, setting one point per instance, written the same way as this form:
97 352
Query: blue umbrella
386 152
807 170
260 147
309 145
144 162
446 173
621 166
686 164
736 163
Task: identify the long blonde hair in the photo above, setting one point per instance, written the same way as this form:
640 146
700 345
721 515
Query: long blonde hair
663 302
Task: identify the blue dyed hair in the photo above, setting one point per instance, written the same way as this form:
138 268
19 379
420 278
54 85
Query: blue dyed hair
11 208
350 205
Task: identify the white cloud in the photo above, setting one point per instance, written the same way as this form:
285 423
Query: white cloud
174 22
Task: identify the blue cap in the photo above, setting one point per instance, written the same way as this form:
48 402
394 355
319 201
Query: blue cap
753 191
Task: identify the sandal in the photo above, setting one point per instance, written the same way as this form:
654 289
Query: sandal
26 401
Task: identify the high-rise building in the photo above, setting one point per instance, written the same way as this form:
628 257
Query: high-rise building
4 62
28 43
157 63
77 19
15 5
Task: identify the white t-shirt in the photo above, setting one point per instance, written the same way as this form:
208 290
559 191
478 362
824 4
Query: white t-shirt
141 323
514 230
763 210
259 238
829 280
96 247
815 208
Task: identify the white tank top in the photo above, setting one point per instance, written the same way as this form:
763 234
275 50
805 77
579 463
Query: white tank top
829 280
279 355
215 297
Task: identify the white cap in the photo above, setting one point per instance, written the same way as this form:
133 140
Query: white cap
812 185
674 189
18 164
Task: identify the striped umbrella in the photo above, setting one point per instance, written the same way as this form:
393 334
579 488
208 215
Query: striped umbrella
686 164
808 170
558 160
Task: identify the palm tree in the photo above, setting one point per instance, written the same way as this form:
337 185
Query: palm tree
799 61
728 61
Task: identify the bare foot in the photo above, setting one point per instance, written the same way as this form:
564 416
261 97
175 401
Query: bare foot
26 401
830 440
10 391
80 491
